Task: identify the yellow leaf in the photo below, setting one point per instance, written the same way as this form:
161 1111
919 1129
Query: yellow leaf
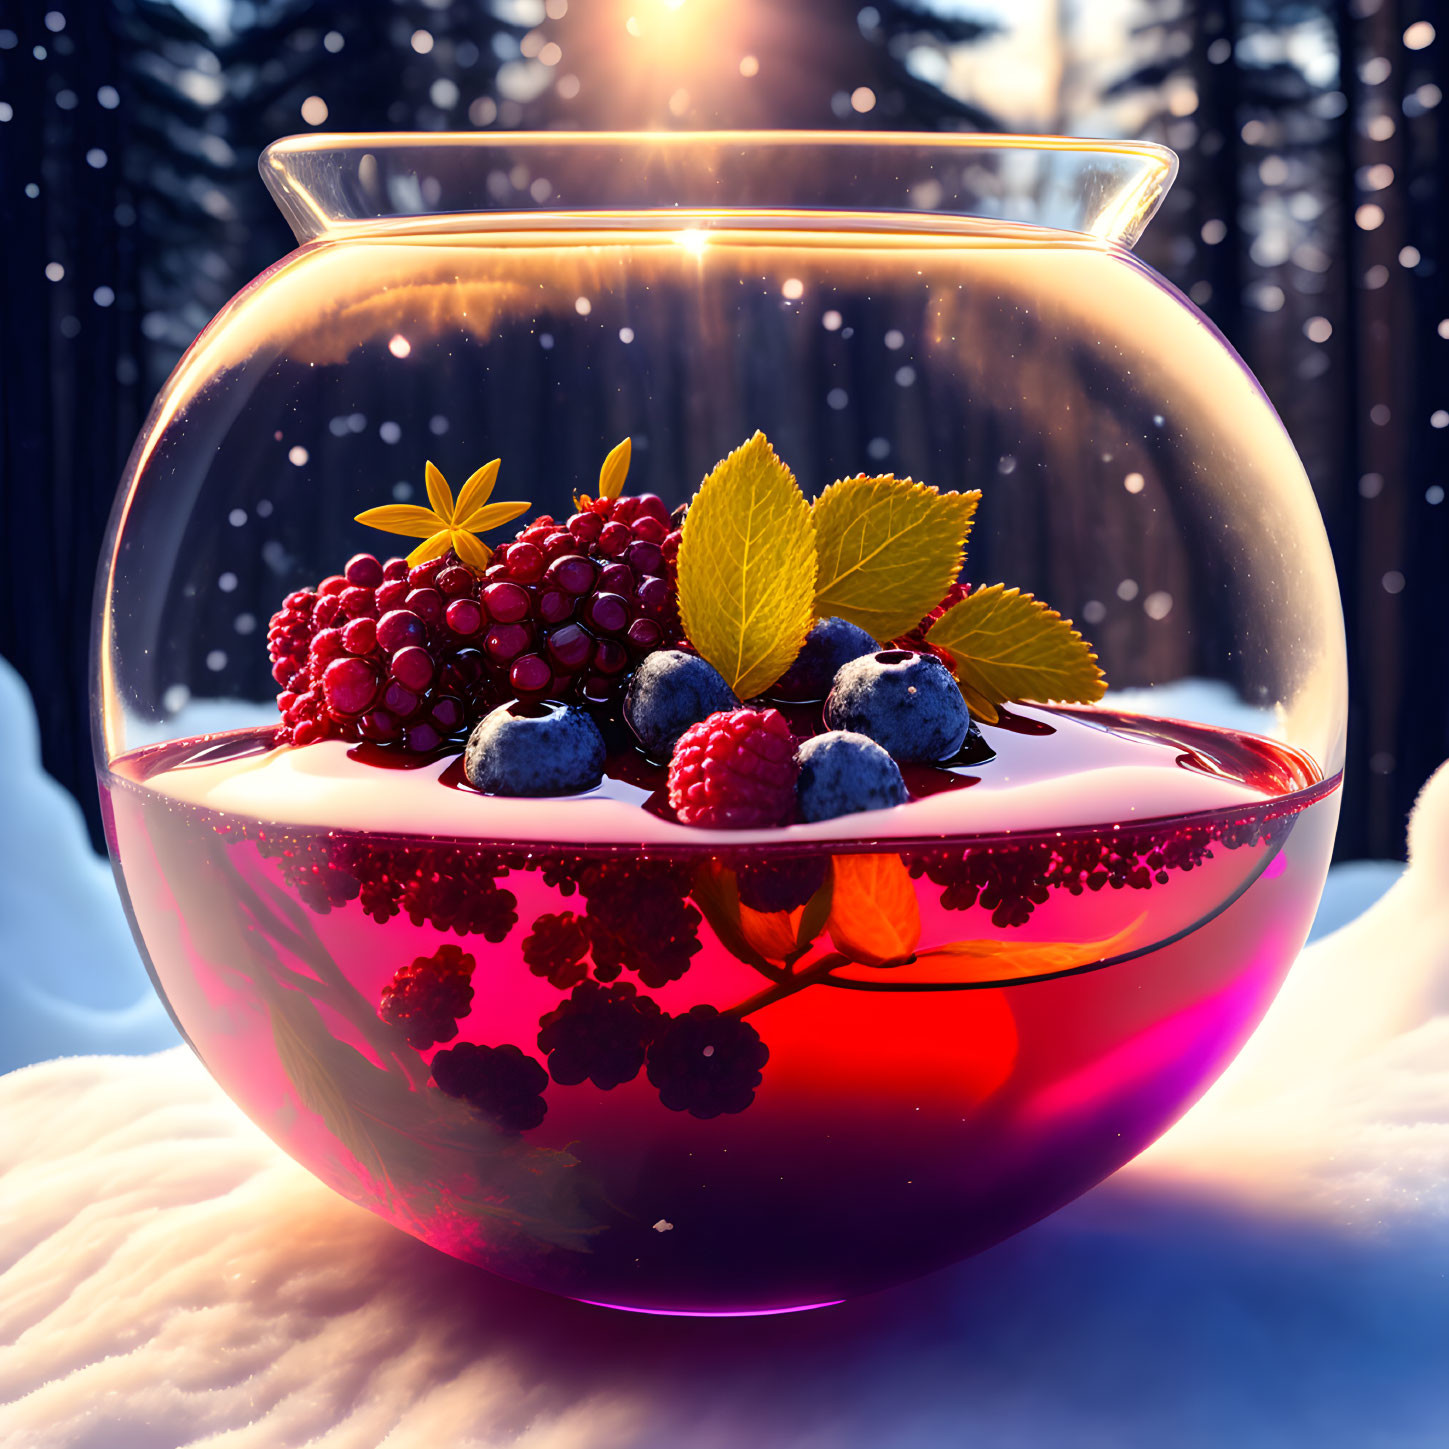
772 933
747 568
491 515
476 491
474 552
889 549
998 960
434 547
440 496
404 518
615 470
874 915
1006 645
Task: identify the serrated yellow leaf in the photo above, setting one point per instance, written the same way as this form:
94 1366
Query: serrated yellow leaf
889 549
615 469
874 916
747 568
1007 645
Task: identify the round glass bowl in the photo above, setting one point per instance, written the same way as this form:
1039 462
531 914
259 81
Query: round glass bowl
816 1060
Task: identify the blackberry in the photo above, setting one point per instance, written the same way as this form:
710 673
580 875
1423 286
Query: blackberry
450 889
639 917
600 1033
781 884
454 890
555 949
706 1064
317 869
500 1082
425 1000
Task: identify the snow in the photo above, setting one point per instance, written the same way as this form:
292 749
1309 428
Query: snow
70 978
1273 1272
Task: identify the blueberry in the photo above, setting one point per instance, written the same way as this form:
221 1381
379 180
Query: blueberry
841 773
534 749
670 691
906 702
830 644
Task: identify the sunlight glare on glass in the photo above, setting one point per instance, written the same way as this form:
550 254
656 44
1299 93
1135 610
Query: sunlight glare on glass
692 239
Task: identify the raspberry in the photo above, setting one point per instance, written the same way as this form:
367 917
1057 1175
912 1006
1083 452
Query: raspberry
706 1064
500 1082
600 1033
556 948
425 1000
734 770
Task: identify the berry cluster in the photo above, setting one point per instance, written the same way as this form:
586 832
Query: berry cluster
639 916
572 604
1011 881
410 656
382 652
707 1063
501 1083
425 999
600 1033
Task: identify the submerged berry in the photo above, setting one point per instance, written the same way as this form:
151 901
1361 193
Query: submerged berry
599 1034
707 1064
500 1082
556 947
425 1000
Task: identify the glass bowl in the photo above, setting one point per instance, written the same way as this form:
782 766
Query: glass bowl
851 1051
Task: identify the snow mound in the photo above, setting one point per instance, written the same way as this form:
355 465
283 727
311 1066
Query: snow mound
70 978
1273 1272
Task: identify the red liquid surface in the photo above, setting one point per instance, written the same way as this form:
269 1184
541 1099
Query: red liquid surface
966 1027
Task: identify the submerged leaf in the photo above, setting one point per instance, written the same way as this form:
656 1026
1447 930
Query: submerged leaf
874 918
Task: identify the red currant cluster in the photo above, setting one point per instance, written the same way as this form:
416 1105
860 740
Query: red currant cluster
411 656
574 603
381 652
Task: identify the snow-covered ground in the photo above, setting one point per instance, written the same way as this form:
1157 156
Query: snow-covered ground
1274 1272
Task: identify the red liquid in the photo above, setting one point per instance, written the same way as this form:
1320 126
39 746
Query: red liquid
965 1027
